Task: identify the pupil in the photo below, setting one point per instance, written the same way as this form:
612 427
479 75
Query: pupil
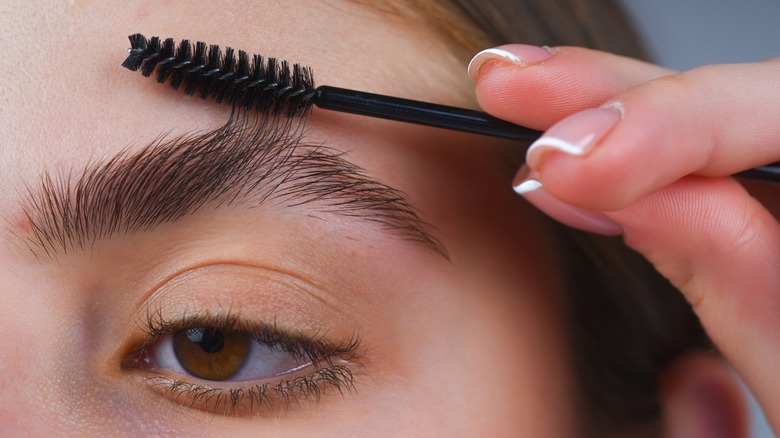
211 353
209 340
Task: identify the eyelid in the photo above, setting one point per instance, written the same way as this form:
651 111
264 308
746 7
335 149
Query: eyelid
209 292
271 304
256 290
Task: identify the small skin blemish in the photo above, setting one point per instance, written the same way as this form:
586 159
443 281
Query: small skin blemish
21 221
17 226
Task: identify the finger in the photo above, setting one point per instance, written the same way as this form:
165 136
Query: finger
592 221
720 247
711 121
536 87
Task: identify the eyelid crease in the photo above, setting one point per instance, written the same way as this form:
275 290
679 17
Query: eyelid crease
278 274
208 294
246 162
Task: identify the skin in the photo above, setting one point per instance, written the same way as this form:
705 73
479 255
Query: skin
468 346
713 236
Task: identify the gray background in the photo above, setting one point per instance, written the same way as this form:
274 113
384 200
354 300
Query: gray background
683 34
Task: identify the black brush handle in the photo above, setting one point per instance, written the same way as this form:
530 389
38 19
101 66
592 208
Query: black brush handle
770 172
421 113
449 117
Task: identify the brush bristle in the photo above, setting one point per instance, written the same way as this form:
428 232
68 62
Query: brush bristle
260 84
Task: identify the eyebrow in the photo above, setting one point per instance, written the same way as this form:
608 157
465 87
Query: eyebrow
247 162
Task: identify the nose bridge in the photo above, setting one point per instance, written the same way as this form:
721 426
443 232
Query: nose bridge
53 378
42 391
32 357
14 425
50 378
23 384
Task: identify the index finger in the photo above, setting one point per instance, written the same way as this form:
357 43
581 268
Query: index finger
537 87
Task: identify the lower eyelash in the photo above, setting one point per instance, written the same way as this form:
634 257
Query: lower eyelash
265 397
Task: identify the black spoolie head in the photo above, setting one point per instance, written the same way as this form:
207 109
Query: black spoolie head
265 85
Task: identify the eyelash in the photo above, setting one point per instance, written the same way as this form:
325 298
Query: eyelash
333 363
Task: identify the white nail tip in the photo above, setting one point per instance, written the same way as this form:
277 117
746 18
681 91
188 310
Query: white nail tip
526 186
556 143
486 55
617 106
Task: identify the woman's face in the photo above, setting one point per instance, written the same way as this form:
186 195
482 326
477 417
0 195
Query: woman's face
102 277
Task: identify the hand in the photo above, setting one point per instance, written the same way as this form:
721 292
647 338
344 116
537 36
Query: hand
652 162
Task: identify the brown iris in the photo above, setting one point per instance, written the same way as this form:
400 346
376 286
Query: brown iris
210 353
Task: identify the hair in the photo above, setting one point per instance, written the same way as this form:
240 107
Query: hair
627 324
471 26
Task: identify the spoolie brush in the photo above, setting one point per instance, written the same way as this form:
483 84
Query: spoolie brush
275 87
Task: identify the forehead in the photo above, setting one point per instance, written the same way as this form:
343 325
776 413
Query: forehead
68 100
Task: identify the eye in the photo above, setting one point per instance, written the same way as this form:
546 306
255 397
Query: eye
224 364
218 354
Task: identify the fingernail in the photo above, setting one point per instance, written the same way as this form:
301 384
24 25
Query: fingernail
517 54
533 191
574 135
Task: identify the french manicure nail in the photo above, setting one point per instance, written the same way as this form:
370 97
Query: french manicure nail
533 191
517 54
527 186
576 134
